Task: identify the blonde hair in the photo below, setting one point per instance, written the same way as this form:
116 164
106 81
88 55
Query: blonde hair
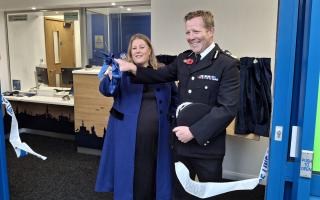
152 58
206 16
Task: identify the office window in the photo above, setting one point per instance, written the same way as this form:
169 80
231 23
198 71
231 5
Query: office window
48 39
109 29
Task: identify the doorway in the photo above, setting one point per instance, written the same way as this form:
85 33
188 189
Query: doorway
60 52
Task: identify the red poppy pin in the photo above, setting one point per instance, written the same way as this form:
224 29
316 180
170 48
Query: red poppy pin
188 61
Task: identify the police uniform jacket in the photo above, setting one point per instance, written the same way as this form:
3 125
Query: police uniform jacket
214 80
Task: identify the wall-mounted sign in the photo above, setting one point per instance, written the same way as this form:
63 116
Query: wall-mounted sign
70 16
98 41
23 17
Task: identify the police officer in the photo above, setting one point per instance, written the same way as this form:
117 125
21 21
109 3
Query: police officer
208 75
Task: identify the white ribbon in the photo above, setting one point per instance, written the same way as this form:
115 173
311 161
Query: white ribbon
21 148
210 189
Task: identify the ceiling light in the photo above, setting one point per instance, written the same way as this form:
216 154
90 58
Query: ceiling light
113 4
128 9
33 8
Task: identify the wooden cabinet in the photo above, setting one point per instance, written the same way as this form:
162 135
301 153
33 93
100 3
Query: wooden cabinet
91 110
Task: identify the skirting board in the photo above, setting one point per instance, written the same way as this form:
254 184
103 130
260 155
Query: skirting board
89 151
230 175
47 133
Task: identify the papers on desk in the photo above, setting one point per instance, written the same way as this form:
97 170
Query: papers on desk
61 94
52 100
21 148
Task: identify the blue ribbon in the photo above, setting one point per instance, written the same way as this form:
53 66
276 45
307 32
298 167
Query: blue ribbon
116 73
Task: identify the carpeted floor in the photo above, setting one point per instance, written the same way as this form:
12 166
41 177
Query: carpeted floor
67 175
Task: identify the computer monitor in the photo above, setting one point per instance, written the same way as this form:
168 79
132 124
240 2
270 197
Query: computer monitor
66 75
41 75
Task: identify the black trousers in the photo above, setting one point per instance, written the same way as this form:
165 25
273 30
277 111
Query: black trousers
207 170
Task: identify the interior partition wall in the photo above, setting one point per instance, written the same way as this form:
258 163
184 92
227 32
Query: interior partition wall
109 30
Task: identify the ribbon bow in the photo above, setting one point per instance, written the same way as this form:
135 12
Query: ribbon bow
116 73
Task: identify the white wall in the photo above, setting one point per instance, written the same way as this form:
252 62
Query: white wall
4 70
246 28
26 48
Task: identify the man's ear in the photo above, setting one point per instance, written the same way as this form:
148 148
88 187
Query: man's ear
212 30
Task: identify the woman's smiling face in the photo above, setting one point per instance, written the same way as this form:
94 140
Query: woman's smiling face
140 52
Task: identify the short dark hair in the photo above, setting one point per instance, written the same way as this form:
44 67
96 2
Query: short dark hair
207 17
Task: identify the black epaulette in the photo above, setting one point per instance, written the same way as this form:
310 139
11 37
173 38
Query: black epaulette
228 53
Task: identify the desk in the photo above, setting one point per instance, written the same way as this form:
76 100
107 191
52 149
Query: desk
55 100
84 116
52 114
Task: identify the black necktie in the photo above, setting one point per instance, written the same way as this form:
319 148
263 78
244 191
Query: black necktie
198 58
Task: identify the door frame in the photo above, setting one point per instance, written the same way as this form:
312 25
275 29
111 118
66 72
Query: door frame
279 169
306 186
295 98
55 68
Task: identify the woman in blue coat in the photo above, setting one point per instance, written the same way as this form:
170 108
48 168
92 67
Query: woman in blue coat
136 159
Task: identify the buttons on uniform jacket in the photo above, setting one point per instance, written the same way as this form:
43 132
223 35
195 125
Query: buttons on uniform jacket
189 91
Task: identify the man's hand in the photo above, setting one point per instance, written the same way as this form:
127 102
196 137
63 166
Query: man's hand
183 133
126 66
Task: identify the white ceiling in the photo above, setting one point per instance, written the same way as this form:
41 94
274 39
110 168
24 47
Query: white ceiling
133 9
15 5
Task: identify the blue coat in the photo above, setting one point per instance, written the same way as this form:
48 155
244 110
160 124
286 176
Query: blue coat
116 168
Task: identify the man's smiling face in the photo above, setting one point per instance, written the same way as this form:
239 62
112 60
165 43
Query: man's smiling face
197 35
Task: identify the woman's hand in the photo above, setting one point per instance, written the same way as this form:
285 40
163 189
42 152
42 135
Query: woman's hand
126 66
109 72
